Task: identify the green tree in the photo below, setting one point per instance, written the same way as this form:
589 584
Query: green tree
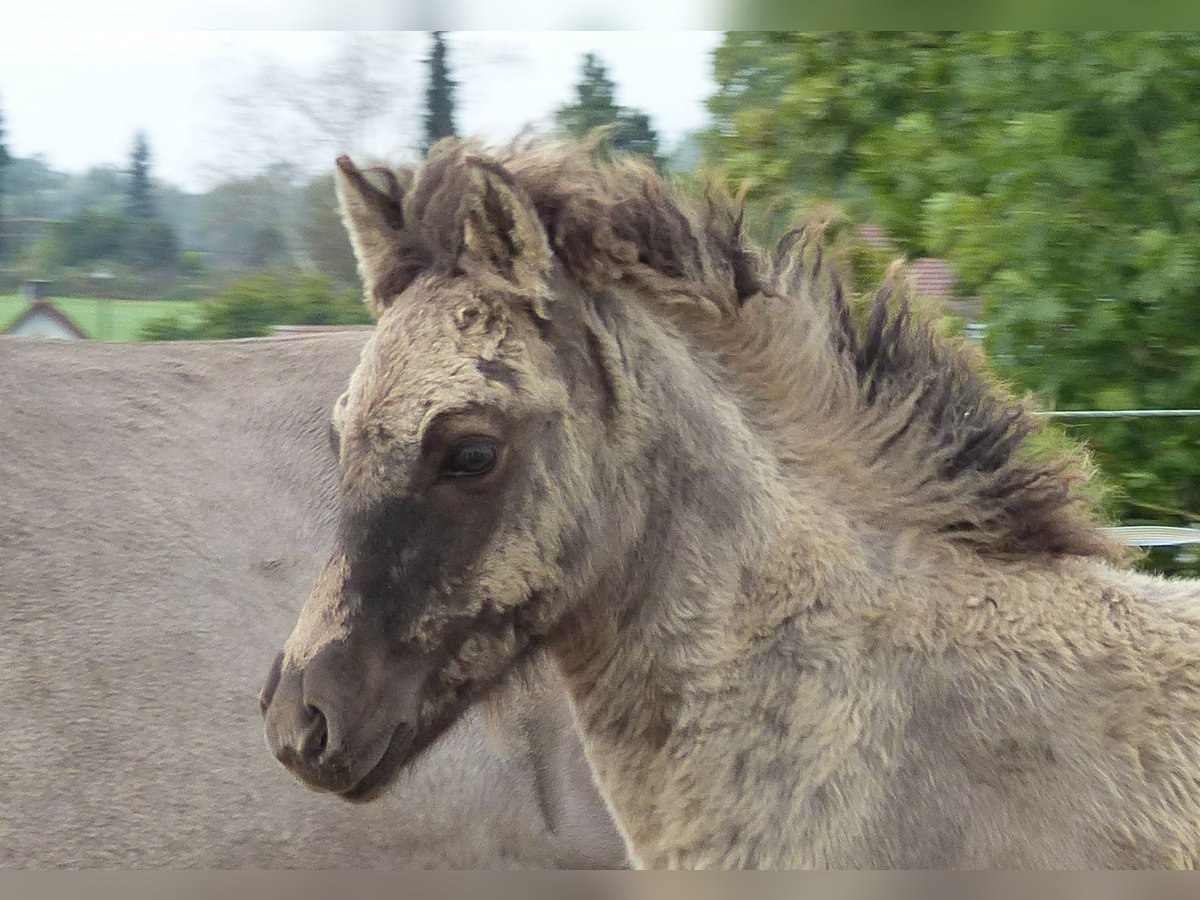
267 248
595 106
92 236
149 244
5 159
253 222
812 113
1059 174
140 198
96 235
323 234
439 94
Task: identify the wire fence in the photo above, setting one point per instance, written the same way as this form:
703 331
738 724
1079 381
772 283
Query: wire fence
1155 535
1118 413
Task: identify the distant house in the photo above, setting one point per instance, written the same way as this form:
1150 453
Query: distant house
43 319
874 236
933 278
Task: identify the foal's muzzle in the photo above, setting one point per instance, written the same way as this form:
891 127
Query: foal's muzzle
329 732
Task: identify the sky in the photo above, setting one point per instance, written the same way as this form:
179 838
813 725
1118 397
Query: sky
78 98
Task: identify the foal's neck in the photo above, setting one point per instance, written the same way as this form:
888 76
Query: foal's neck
719 559
716 575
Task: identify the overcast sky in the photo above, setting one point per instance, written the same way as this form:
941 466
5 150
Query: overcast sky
77 98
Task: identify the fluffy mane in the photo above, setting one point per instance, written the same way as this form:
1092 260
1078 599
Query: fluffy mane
933 441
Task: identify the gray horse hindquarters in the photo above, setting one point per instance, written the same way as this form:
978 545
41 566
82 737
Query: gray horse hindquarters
165 508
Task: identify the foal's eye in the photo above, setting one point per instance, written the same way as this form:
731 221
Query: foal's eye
470 458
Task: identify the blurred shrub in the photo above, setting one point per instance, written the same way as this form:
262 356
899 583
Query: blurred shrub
168 328
250 306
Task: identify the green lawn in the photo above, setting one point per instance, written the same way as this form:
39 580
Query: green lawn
108 320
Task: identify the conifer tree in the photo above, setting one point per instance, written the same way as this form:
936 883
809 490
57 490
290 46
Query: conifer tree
140 201
595 106
439 95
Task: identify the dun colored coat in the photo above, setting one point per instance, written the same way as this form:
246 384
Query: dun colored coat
815 600
162 509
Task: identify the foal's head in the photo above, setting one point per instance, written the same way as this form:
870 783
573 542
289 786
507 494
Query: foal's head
482 473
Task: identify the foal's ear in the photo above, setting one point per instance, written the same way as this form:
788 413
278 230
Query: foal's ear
372 205
501 229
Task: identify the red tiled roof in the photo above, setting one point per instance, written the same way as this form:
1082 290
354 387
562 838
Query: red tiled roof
929 276
932 277
935 279
874 236
46 308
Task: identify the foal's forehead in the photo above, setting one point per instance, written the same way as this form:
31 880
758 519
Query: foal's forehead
438 349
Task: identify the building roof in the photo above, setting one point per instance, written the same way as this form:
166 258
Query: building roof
929 276
874 236
46 308
932 277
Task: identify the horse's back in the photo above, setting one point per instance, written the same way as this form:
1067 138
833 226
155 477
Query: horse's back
1179 595
165 509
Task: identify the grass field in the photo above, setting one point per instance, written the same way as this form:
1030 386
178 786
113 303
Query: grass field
107 320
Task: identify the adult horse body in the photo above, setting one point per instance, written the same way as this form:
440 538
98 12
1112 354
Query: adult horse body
161 506
813 603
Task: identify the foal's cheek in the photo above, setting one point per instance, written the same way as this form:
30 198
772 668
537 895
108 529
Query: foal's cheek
465 511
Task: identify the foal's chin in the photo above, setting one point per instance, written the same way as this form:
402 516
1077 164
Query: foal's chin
399 753
408 745
404 749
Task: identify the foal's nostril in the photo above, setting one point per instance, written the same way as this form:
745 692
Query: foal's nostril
315 739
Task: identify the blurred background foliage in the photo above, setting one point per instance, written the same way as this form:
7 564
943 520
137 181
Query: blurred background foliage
1058 175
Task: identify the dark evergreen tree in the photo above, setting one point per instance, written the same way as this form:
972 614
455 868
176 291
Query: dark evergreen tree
595 100
595 106
140 198
439 95
635 134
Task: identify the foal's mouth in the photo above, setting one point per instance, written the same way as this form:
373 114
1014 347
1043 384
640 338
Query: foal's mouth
408 743
404 748
399 753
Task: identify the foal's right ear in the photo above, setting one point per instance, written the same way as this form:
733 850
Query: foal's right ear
372 205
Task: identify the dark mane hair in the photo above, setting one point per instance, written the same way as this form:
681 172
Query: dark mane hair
935 441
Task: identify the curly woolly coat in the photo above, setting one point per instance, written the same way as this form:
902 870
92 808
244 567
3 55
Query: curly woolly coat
815 604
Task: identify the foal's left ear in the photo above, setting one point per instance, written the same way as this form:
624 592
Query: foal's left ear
501 228
372 205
